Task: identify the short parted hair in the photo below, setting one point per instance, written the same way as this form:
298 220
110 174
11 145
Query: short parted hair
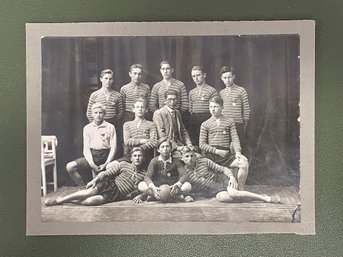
165 62
106 71
98 106
186 149
136 149
140 100
162 140
218 100
225 69
136 65
170 92
199 67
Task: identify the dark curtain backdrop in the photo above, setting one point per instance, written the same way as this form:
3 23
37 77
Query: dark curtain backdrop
266 66
64 96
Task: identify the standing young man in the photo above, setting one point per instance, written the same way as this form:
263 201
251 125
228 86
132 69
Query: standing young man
157 99
198 102
236 103
108 97
133 90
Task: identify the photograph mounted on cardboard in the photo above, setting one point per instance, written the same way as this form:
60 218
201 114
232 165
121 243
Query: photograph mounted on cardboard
180 127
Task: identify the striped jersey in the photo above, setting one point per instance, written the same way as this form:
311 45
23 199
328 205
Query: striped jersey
199 98
221 133
236 103
126 176
202 176
112 101
131 92
140 129
157 99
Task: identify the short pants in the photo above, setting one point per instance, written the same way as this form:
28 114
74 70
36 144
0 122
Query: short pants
99 157
109 190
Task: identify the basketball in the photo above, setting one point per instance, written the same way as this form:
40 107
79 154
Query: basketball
164 193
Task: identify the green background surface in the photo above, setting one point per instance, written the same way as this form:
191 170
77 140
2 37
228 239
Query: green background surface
329 123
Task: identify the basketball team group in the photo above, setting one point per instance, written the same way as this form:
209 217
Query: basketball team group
164 159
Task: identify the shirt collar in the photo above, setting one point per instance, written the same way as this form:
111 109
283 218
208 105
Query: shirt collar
171 81
170 109
202 85
98 126
221 116
102 90
134 85
138 120
168 160
232 87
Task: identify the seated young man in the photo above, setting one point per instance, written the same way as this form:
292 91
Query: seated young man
140 132
216 135
99 146
169 123
114 184
164 169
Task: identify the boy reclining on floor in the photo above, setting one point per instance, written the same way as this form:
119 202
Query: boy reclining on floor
111 185
203 176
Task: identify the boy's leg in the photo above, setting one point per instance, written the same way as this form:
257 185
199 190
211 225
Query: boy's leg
93 200
242 173
77 196
242 137
233 195
142 187
186 189
145 190
74 173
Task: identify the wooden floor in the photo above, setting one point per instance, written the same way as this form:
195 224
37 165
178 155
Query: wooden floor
201 210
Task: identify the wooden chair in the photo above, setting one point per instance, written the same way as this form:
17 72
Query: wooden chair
48 157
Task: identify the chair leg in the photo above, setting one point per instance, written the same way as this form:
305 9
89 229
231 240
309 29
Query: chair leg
43 180
55 177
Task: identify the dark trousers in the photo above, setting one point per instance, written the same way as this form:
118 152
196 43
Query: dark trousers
119 131
242 138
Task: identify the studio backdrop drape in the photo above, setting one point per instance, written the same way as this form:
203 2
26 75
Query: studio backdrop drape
267 66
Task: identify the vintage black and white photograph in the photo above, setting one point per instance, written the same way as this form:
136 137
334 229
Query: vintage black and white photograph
164 128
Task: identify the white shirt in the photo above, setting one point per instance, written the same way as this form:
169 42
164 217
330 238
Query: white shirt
98 137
